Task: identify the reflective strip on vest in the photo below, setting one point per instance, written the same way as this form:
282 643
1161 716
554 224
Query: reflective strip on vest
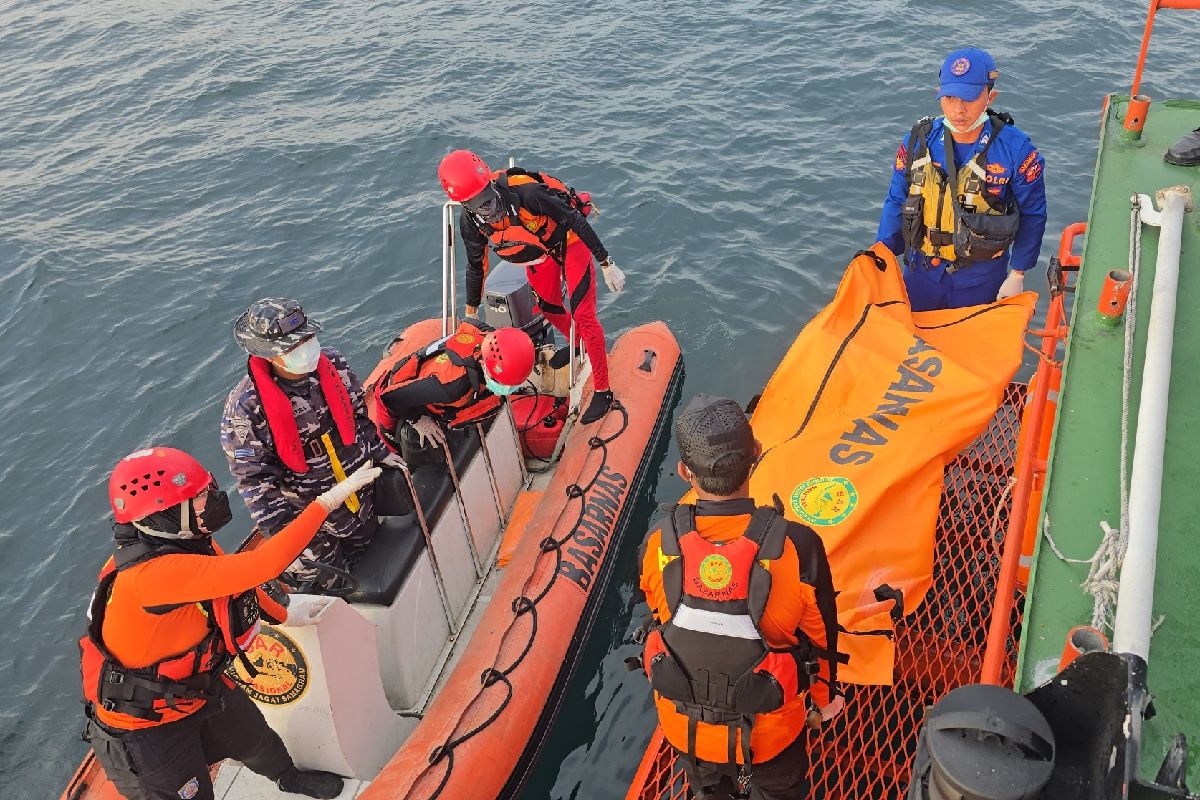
739 626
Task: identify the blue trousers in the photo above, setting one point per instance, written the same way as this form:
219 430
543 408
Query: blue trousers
932 289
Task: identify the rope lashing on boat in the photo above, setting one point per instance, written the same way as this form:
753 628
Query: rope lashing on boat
522 605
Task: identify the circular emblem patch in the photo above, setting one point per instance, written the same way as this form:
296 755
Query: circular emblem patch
715 571
464 338
960 66
282 671
824 501
442 359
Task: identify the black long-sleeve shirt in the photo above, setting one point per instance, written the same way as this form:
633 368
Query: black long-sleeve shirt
536 199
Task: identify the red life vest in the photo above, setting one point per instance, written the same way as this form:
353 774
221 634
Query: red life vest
527 237
710 658
282 420
452 362
177 685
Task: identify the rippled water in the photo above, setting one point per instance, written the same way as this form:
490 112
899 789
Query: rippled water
163 164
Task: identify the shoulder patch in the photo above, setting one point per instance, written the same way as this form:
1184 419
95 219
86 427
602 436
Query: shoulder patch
1033 173
901 157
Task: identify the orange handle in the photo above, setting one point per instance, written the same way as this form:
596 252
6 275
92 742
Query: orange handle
1067 243
1155 5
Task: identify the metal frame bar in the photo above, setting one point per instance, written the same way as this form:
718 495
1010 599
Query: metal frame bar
449 285
427 534
462 508
487 463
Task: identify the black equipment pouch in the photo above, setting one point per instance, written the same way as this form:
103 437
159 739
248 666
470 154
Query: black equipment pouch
982 237
912 221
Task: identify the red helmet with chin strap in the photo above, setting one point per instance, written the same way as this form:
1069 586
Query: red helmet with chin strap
154 480
508 356
463 175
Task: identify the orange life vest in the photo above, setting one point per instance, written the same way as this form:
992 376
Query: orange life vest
175 686
710 658
452 362
526 237
282 420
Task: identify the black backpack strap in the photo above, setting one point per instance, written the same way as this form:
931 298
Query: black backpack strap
917 143
680 517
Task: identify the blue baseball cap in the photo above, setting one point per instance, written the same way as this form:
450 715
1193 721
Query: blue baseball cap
966 73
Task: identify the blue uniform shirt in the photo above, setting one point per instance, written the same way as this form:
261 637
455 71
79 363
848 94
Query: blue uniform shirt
1014 172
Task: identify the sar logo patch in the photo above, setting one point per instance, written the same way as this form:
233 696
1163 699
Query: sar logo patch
824 501
715 571
190 789
442 359
960 66
1033 173
901 157
282 671
464 338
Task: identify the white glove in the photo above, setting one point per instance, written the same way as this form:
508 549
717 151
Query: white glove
430 432
1013 284
392 460
835 707
342 490
614 279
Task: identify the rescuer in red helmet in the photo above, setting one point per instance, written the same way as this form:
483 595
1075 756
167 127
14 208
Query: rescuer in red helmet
451 383
534 219
170 614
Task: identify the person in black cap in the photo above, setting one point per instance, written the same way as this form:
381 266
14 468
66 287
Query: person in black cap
296 425
742 652
966 239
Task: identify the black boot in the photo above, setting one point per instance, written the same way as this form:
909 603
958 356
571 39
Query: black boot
1185 152
310 783
601 401
560 358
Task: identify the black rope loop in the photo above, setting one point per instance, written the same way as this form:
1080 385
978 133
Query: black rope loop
522 605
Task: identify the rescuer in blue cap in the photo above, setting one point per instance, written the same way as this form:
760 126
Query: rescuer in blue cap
966 208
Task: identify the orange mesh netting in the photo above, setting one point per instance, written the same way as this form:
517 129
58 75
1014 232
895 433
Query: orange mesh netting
868 750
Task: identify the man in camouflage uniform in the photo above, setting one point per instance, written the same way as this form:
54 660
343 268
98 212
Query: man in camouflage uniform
277 481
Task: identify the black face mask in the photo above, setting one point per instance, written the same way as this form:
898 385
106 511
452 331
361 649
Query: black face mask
216 513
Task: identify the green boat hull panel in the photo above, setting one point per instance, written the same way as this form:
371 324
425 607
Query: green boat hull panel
1082 484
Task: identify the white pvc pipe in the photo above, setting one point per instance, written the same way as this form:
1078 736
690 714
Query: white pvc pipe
1135 599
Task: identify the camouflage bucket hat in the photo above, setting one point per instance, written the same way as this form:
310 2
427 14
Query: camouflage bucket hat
272 326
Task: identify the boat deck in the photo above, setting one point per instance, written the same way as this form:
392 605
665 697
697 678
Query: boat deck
1082 488
236 782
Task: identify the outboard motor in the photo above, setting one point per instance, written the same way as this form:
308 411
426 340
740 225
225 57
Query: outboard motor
982 742
508 301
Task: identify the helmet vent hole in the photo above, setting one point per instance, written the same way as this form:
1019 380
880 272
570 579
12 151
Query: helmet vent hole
133 492
161 472
158 483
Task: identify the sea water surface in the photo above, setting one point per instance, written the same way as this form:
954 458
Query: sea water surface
163 164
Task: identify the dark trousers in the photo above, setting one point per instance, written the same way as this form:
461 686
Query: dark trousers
170 762
933 289
784 777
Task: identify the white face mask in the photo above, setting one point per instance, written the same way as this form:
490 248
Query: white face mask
302 359
982 119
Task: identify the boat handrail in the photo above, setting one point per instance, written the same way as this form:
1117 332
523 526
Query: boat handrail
423 522
1155 5
1028 468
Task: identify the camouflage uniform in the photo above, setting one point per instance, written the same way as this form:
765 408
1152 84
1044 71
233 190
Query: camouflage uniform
274 494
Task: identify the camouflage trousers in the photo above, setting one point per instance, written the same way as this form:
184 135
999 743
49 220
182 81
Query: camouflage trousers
339 552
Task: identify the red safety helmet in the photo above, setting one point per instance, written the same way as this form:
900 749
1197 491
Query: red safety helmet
508 356
463 175
154 480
